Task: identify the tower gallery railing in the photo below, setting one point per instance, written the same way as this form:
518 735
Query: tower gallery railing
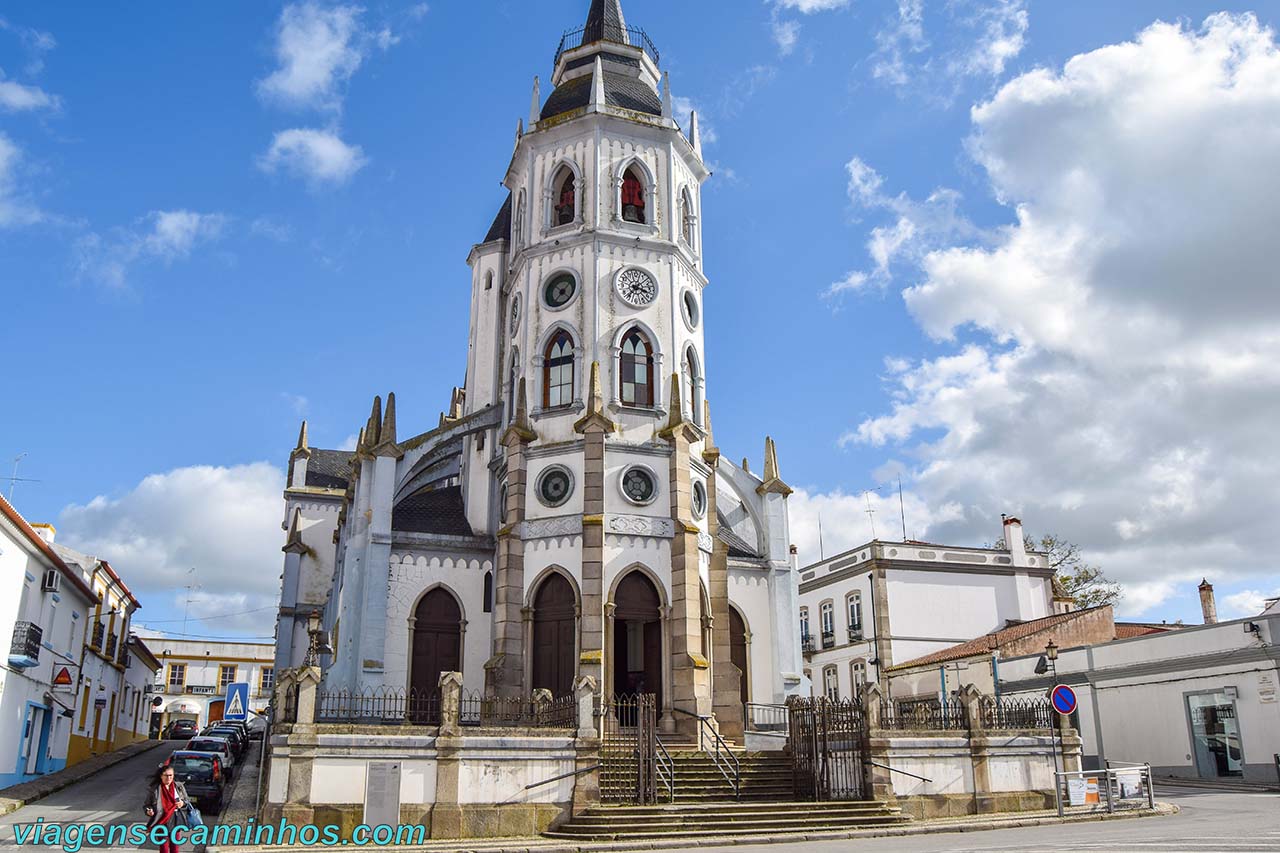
633 36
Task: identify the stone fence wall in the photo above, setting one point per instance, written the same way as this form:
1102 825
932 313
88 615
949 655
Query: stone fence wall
458 782
983 765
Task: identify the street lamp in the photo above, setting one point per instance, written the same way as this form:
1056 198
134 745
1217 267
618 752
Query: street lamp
1051 655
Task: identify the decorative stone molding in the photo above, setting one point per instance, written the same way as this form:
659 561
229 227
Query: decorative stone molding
547 528
705 542
641 525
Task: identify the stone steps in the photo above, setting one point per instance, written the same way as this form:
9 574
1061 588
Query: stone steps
613 823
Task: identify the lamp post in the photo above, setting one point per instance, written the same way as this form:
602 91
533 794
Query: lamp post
1051 655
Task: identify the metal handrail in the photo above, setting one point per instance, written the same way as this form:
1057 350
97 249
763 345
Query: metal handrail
722 762
896 770
664 763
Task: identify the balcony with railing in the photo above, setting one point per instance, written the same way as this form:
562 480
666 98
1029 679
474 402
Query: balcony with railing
113 640
855 632
24 650
632 36
828 639
806 642
95 639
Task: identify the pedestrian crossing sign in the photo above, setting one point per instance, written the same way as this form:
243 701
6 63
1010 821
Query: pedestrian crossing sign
236 706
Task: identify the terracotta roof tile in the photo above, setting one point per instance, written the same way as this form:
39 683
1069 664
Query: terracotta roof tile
993 640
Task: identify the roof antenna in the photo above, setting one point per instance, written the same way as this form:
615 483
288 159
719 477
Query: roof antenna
870 514
902 509
15 478
822 552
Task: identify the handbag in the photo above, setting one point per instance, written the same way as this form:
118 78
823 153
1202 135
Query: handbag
192 817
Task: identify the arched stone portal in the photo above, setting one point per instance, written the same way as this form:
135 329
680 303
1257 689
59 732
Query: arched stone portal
437 640
738 651
637 638
554 636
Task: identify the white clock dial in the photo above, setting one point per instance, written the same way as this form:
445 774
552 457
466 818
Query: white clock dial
636 287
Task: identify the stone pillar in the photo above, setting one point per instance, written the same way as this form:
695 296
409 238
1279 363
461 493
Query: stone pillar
308 679
586 786
446 814
594 426
1069 741
979 751
726 693
879 781
690 670
504 672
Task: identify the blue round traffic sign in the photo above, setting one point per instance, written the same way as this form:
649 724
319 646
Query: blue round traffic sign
1063 699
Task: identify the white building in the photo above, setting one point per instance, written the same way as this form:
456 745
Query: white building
192 682
44 606
571 514
885 602
1199 702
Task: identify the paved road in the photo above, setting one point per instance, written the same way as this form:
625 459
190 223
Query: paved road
112 797
1210 822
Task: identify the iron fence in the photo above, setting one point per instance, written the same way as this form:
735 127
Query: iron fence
506 711
379 707
827 739
629 764
633 36
1026 713
922 714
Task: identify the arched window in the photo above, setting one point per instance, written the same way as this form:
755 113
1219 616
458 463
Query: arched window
686 217
692 378
557 371
633 197
854 604
513 385
827 613
517 231
806 640
636 373
858 676
831 683
566 197
488 592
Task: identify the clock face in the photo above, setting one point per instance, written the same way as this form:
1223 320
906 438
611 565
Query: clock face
636 287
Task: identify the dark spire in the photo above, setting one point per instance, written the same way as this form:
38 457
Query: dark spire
605 22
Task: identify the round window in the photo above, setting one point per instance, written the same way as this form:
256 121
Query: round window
689 304
560 290
638 485
699 499
555 485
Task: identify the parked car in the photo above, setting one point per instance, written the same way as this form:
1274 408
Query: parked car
202 775
239 741
180 729
218 746
257 726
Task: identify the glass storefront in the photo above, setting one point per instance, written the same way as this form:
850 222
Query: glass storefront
1215 735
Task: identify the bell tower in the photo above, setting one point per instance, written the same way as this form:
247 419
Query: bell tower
588 332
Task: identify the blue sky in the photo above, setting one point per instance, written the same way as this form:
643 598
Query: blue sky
218 220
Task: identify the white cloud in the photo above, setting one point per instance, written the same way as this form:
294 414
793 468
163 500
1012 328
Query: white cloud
977 39
164 235
808 7
223 521
786 34
1119 380
35 42
319 156
845 522
318 49
15 209
349 443
15 97
1247 602
271 228
296 402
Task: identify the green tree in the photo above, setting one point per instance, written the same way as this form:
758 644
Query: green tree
1085 583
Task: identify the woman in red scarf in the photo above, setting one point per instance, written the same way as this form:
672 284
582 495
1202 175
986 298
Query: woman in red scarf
165 799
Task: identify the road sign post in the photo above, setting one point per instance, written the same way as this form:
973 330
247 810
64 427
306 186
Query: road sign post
236 705
1063 700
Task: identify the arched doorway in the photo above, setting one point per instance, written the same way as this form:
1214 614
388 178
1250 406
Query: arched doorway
738 651
554 636
637 637
437 640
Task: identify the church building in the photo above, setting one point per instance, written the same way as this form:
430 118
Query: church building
571 514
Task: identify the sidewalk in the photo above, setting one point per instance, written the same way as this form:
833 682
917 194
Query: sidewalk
16 796
548 845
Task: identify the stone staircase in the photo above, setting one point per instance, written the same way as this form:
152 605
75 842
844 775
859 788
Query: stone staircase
723 820
704 803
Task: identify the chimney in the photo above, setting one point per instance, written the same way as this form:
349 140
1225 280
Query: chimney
795 558
45 532
1207 605
1013 539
